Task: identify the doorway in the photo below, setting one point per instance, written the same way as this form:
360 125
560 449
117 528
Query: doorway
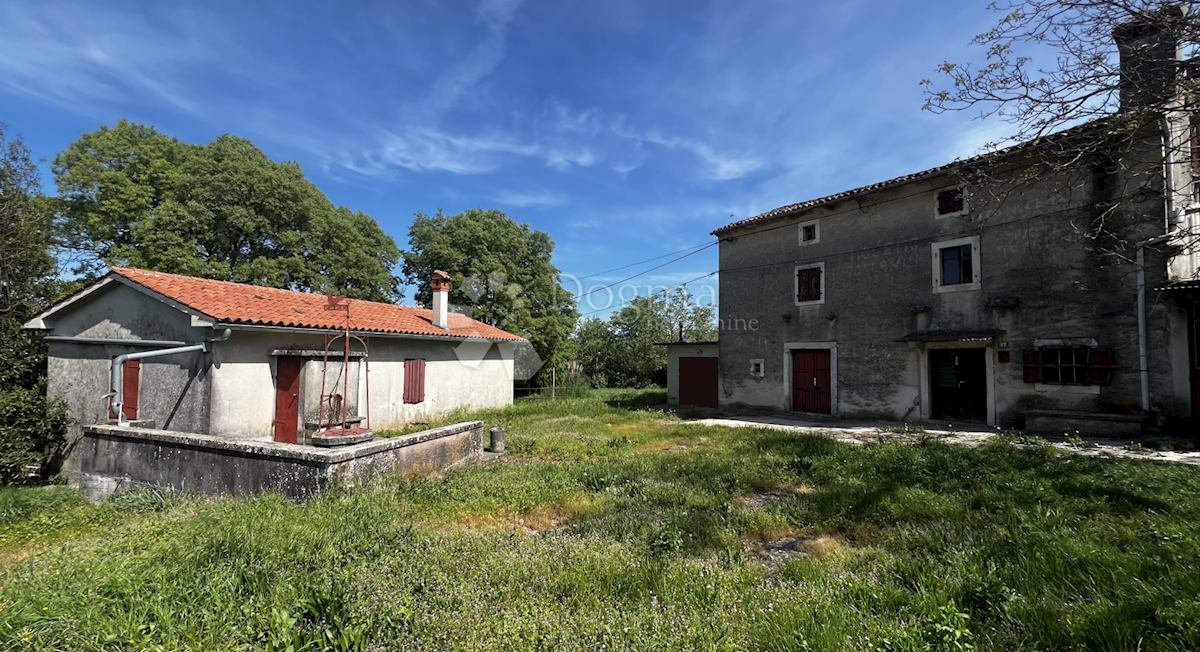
811 386
958 384
698 382
287 398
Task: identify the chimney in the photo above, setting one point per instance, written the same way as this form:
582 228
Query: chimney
441 298
1150 55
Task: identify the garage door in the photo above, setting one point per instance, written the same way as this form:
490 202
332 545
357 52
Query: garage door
698 382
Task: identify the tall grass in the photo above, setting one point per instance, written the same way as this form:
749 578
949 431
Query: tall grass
619 529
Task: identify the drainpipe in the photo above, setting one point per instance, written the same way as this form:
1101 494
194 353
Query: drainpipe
119 364
1143 355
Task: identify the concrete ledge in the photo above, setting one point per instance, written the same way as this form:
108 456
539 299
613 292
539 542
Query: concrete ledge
1057 422
115 458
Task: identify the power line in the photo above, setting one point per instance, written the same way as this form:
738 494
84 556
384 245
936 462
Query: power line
664 291
711 244
617 269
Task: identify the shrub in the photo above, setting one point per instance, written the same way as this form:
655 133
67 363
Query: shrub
32 430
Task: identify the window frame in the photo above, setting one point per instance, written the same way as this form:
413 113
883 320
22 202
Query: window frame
816 224
796 284
937 201
936 249
1096 371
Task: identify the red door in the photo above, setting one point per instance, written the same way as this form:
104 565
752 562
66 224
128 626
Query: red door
698 382
131 375
811 389
287 399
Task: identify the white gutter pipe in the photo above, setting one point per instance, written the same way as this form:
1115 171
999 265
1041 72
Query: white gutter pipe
1143 354
118 366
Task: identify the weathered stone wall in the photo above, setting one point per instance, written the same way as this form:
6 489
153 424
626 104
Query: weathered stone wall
119 459
1041 279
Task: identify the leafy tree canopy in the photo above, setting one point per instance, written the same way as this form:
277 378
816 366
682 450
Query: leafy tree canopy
131 196
501 274
622 353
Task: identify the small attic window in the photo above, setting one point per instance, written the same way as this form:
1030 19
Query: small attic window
810 232
951 202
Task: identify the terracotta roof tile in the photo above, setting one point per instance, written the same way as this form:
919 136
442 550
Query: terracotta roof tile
240 303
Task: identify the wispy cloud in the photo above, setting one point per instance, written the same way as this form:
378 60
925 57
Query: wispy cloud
527 199
72 55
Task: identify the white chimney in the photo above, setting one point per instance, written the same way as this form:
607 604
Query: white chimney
441 298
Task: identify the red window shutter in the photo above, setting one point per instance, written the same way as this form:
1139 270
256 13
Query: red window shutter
414 380
130 377
1101 369
808 284
1032 363
950 201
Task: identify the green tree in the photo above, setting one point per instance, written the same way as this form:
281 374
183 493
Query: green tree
501 274
32 428
623 350
131 196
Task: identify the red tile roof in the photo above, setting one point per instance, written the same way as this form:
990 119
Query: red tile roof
239 303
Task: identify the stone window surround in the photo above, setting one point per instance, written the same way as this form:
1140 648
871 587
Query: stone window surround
965 198
976 264
796 283
816 224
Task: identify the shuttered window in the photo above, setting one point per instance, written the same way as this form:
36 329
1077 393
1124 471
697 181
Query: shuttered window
414 380
1069 365
808 284
131 374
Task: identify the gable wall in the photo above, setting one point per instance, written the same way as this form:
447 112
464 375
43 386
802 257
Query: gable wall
174 389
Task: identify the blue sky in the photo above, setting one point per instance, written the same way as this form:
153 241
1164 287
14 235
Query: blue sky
627 130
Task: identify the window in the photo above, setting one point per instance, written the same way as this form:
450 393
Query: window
956 265
810 232
756 368
951 202
810 284
1069 365
414 380
131 375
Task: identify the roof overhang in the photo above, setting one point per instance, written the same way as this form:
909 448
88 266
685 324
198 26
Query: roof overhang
983 335
1191 284
383 334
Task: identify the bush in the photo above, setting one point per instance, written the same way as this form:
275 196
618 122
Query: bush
32 430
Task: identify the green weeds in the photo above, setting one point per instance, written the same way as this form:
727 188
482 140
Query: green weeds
628 529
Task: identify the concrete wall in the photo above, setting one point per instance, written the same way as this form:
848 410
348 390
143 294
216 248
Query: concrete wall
467 375
676 351
1041 280
174 389
119 459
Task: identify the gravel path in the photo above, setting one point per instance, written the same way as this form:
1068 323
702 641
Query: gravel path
863 432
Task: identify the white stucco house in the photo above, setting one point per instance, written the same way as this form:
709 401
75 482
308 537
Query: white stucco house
247 362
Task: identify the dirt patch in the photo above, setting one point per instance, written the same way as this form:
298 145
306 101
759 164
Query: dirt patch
780 551
771 496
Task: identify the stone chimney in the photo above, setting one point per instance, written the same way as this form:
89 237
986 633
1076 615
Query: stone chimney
1150 55
440 284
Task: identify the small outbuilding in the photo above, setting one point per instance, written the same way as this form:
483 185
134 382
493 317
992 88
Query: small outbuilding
239 362
692 373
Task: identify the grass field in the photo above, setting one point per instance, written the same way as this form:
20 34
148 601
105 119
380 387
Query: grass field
609 527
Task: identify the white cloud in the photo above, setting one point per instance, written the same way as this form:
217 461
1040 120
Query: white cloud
527 199
73 56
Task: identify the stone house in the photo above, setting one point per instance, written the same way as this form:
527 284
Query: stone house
244 362
979 290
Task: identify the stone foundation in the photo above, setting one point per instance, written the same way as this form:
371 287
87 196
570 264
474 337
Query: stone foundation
1093 424
117 459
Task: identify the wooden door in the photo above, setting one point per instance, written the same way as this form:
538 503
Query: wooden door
812 390
287 398
958 379
698 382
